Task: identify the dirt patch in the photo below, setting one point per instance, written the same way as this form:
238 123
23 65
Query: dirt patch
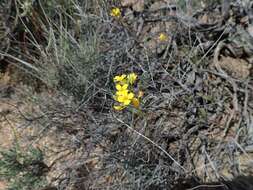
7 128
2 186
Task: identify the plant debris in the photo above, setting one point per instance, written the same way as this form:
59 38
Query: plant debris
194 62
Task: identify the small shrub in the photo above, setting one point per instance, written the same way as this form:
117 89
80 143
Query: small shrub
23 170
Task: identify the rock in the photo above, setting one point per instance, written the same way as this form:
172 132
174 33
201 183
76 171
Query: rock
237 68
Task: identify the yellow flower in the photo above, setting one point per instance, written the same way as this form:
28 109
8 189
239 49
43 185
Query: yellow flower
122 92
125 98
131 78
124 95
163 37
122 87
119 78
136 102
118 108
115 12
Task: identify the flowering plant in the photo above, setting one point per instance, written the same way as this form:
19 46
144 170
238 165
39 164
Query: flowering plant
115 12
125 95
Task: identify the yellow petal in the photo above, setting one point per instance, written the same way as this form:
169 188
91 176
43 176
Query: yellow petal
121 99
123 76
119 78
121 92
126 102
118 87
130 95
116 78
115 12
163 37
132 78
125 93
118 107
125 86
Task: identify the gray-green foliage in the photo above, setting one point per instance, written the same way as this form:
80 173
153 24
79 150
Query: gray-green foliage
71 55
23 170
77 65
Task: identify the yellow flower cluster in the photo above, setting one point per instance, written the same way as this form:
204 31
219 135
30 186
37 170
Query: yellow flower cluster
124 94
163 37
115 12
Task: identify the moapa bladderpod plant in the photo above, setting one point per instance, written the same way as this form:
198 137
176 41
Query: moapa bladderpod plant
126 95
